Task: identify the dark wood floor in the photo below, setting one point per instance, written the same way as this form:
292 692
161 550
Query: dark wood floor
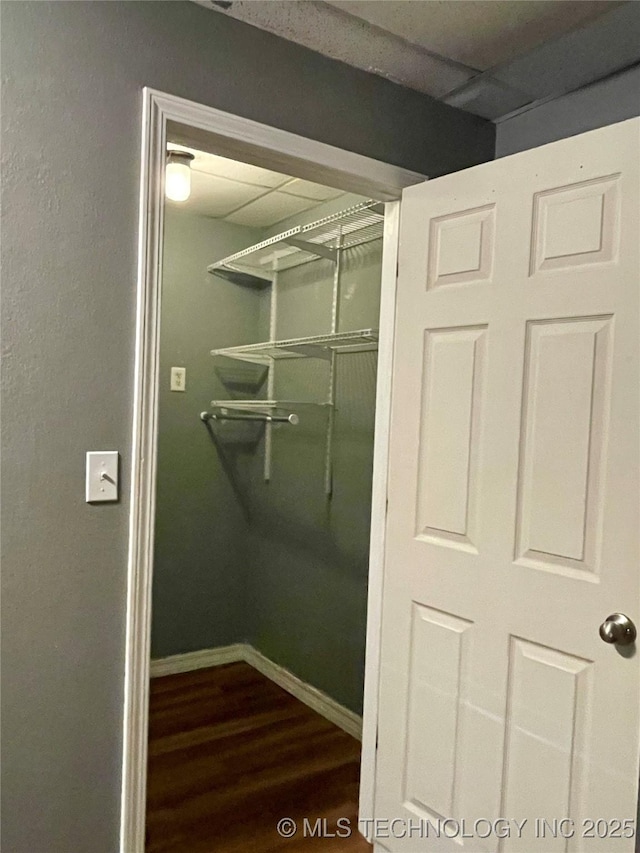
231 753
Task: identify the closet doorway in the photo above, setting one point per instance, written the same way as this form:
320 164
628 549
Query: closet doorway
270 302
263 407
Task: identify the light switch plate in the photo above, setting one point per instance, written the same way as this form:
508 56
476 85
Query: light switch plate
101 476
178 378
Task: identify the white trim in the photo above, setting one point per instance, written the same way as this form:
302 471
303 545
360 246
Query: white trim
379 508
142 501
327 707
315 699
202 659
233 136
276 149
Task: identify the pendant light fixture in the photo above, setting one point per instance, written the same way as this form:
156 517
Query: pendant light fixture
177 184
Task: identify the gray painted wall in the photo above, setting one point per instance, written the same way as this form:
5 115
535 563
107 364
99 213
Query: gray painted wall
71 102
606 102
200 567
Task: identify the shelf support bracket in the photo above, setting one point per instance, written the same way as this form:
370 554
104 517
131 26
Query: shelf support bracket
313 248
271 379
335 310
312 351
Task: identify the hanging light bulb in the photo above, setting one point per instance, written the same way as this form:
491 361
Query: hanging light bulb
177 184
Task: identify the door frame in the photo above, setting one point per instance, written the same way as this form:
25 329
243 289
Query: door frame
278 150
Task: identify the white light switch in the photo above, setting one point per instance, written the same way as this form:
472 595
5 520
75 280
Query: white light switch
101 476
178 378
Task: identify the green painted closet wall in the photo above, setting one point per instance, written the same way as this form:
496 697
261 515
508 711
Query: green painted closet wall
291 580
199 573
310 553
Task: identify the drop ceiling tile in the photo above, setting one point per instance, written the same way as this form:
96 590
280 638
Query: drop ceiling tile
270 209
244 172
234 170
213 196
307 189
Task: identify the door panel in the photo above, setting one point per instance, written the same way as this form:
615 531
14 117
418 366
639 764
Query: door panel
512 527
448 460
563 436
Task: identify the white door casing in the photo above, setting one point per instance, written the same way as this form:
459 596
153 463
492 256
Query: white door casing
512 527
238 138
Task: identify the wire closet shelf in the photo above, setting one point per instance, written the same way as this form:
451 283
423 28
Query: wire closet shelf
315 346
258 267
324 238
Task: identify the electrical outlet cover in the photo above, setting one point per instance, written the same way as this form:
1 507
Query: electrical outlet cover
178 378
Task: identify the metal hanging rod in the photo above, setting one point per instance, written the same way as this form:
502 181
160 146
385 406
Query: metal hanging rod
292 419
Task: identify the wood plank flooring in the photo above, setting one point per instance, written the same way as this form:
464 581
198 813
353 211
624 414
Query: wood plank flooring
230 753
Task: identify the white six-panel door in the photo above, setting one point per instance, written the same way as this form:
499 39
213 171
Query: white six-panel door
513 505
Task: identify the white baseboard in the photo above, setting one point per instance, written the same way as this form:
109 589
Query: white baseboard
311 696
201 659
324 705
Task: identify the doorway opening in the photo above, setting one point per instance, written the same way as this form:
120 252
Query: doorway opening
259 470
270 298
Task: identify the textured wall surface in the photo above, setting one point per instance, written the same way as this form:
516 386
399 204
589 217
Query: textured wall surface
607 102
199 567
73 74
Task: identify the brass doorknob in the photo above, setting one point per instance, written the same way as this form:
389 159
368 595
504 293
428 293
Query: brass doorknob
618 629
